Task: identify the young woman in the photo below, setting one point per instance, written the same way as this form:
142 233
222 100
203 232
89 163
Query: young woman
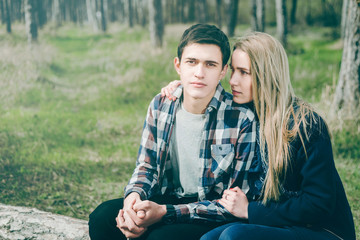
301 194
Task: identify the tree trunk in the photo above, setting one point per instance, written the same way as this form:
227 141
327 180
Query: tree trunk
130 14
254 24
191 12
344 17
91 13
293 12
260 15
181 10
2 9
281 21
143 13
202 11
8 17
56 13
41 14
103 16
156 23
347 95
233 12
218 14
30 21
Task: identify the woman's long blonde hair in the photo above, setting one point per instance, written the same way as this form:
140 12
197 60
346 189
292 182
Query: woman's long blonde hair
273 97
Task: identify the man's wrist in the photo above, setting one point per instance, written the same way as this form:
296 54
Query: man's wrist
170 215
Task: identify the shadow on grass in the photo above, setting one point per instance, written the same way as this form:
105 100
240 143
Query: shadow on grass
72 189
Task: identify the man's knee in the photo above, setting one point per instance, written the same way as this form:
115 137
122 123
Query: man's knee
102 219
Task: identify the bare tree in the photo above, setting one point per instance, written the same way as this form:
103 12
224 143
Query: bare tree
233 12
8 17
143 12
191 11
344 17
254 24
30 21
202 11
281 21
156 22
130 14
91 13
56 16
41 14
103 16
260 15
293 12
218 14
347 95
181 10
2 9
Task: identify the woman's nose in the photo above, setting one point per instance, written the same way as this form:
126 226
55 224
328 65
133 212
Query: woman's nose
233 80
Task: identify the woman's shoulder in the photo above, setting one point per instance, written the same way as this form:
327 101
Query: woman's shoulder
310 122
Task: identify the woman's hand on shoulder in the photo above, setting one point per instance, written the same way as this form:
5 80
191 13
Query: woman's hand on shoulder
236 202
169 89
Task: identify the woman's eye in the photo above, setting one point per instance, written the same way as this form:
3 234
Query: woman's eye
244 72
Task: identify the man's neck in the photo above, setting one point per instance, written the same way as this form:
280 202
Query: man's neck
195 106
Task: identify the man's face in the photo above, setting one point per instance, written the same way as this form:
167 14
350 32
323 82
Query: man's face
200 70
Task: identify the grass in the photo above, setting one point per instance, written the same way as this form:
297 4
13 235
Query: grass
73 107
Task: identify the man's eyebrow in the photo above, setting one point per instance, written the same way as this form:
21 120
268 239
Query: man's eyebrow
206 61
212 62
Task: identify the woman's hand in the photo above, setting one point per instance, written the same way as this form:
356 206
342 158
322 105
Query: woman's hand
236 202
169 89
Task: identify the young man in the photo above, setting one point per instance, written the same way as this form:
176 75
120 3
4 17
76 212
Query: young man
192 149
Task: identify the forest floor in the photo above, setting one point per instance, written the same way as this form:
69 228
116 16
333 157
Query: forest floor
73 106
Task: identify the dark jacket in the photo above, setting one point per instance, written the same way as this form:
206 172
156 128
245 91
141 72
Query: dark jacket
313 194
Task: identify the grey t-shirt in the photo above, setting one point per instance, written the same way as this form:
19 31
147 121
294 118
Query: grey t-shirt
184 151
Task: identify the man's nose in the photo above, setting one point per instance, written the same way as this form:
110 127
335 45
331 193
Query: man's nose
200 71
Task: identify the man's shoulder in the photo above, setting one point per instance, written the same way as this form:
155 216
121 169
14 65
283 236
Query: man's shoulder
234 110
161 104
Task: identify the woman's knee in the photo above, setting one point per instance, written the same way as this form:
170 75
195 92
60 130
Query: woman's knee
216 232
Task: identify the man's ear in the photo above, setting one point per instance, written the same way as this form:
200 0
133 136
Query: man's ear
223 71
177 65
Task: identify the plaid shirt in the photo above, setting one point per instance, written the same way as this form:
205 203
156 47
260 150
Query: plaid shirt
227 150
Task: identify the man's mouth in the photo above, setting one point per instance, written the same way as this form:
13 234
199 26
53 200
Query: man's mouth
198 84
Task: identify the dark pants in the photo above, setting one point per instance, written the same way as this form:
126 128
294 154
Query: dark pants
234 231
102 223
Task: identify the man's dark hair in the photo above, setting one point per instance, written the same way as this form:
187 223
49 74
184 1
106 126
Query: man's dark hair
205 34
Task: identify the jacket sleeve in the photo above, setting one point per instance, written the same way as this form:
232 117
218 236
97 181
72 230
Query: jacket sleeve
316 198
212 211
145 175
204 211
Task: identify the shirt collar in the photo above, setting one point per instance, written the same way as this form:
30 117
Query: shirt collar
214 102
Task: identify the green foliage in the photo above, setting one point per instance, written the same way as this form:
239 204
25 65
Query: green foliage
73 110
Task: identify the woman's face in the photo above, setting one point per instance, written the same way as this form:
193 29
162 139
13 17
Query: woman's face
241 81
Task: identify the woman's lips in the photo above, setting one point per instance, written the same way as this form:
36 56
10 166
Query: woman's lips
234 92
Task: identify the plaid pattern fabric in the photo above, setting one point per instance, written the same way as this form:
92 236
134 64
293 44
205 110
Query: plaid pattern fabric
227 150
